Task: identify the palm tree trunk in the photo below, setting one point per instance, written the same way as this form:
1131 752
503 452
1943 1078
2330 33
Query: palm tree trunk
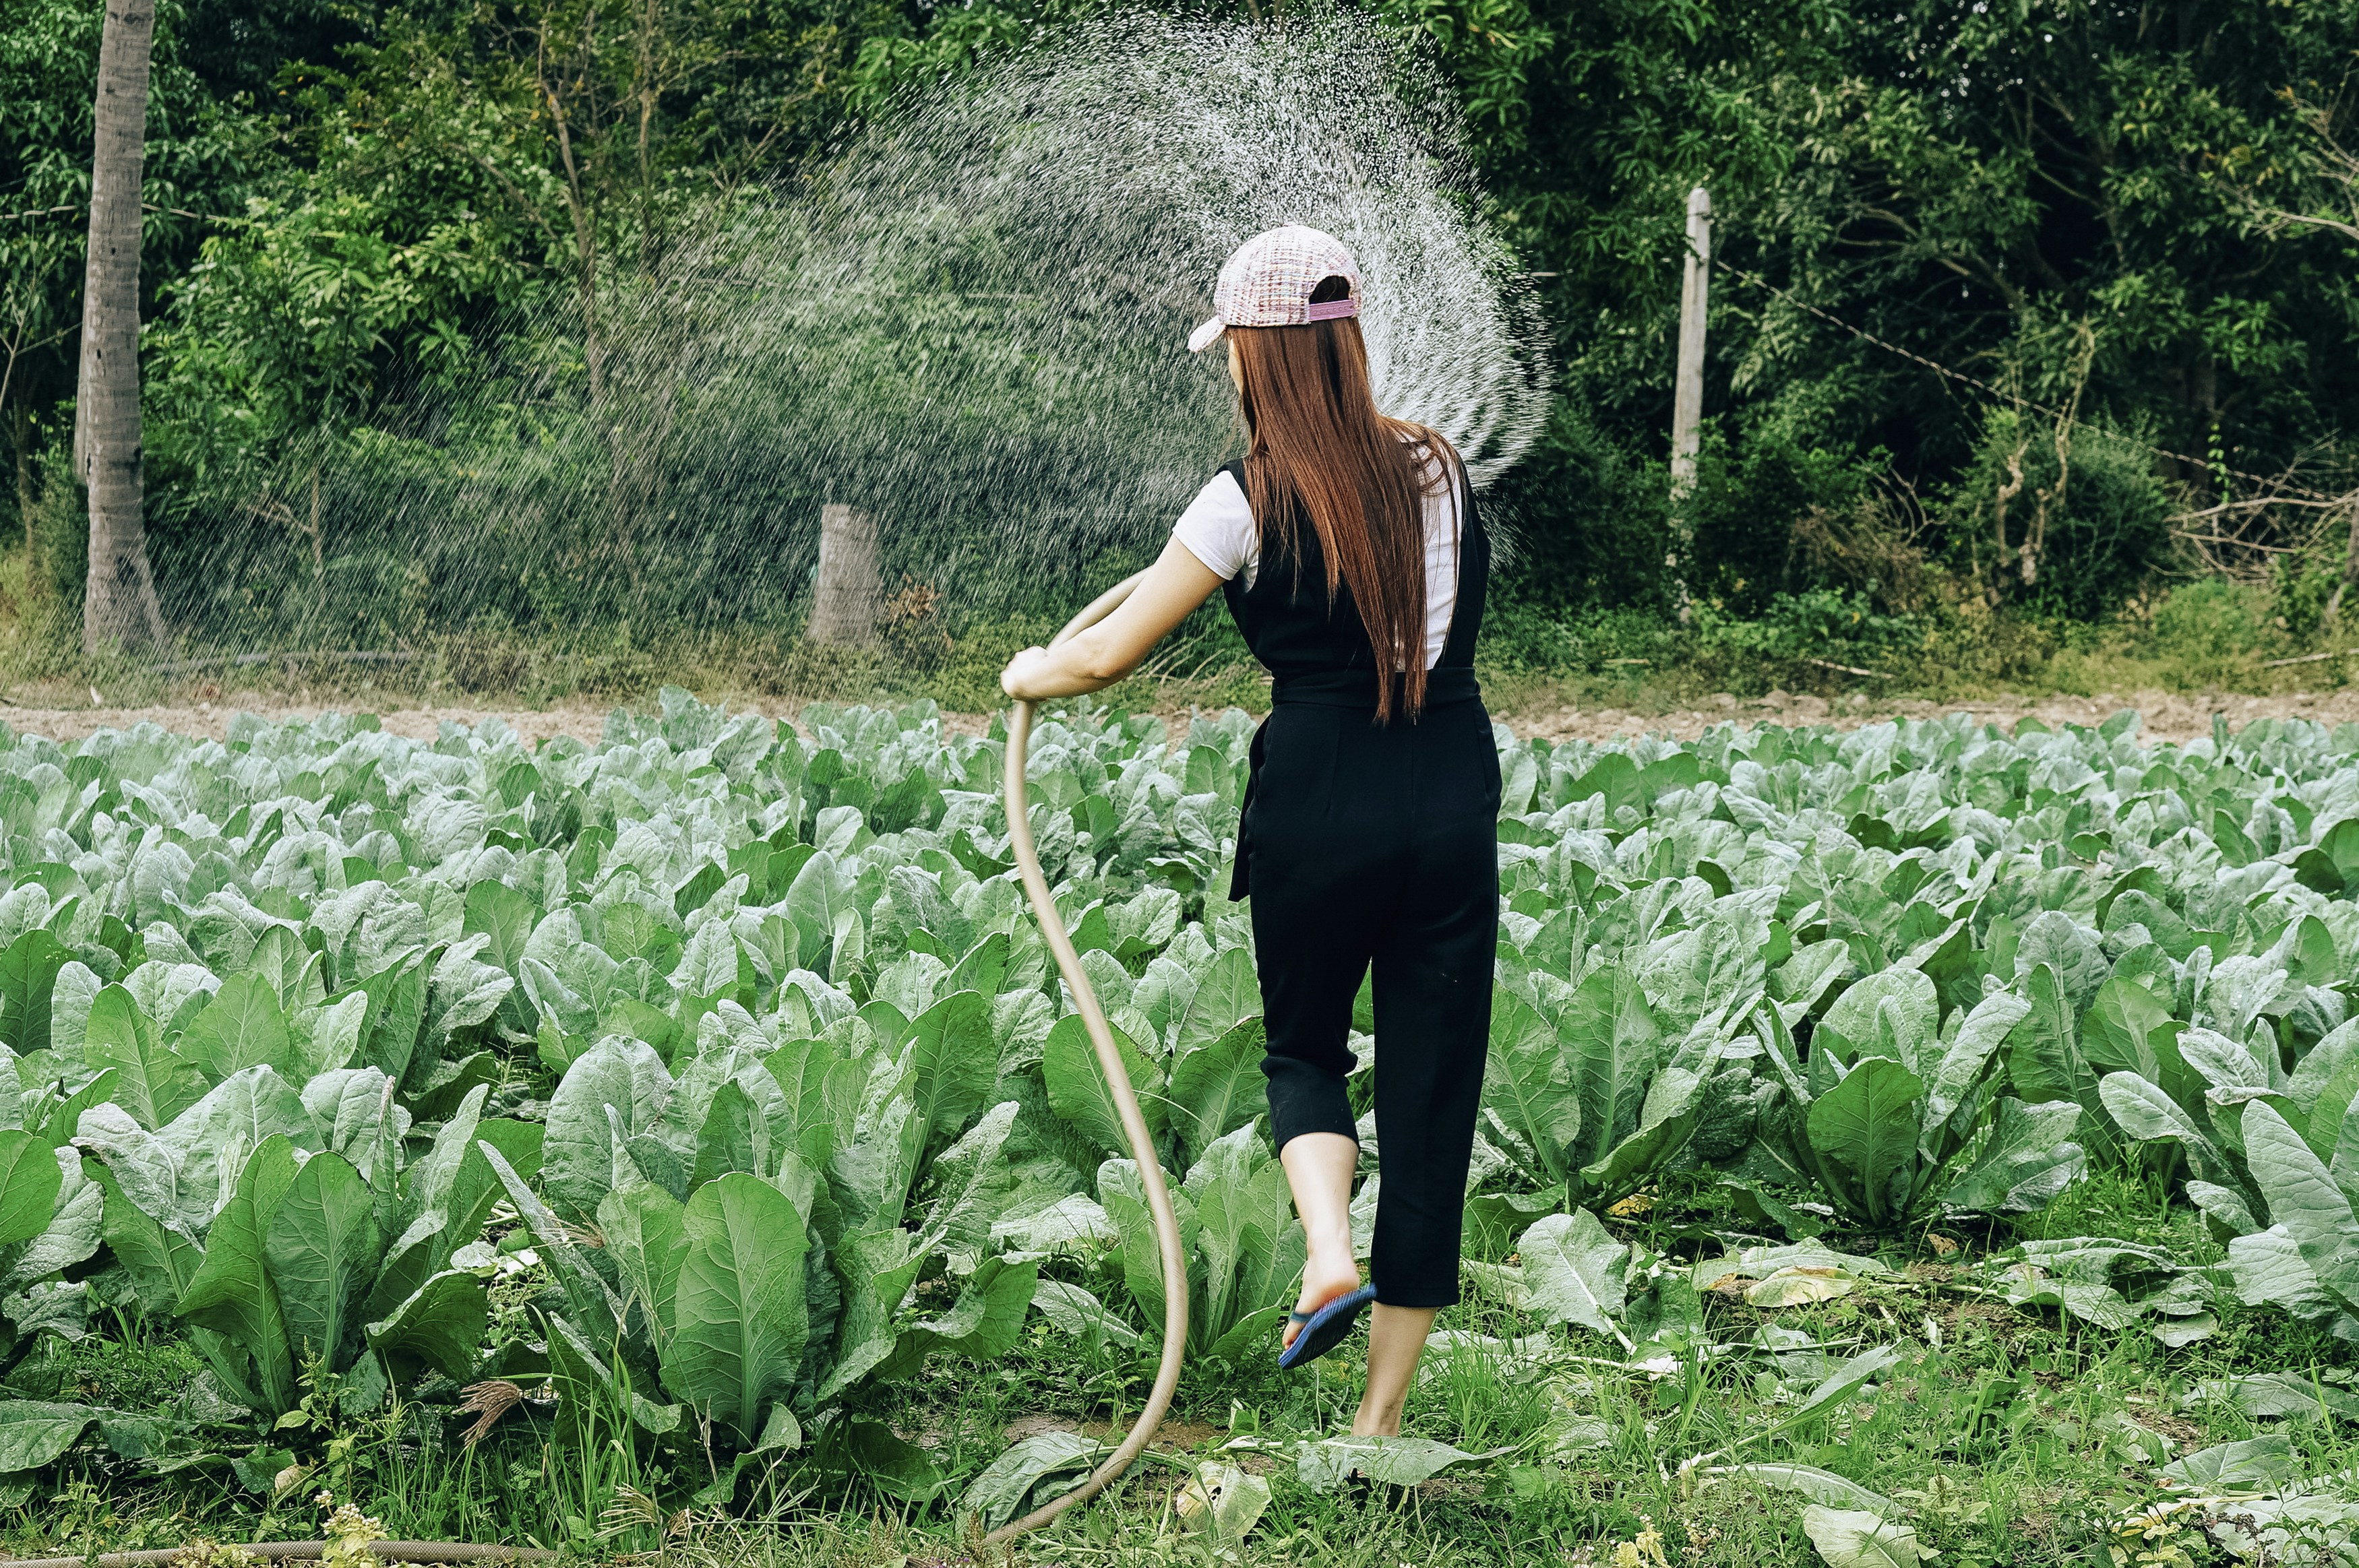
119 608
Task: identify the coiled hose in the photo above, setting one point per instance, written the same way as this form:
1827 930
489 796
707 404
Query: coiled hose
305 1551
1117 1077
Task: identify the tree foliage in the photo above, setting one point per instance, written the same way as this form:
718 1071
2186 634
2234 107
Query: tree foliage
2116 217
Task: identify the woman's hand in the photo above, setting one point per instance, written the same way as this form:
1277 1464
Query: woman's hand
1023 676
1096 658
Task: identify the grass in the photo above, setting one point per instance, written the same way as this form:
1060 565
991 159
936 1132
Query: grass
2011 1437
2207 636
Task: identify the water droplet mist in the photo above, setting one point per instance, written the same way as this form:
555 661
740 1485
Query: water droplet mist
969 324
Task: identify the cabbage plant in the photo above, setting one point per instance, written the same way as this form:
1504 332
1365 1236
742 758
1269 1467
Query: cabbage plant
1895 1120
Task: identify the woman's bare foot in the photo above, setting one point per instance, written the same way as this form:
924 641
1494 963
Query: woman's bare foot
1396 1338
1328 1273
1319 1168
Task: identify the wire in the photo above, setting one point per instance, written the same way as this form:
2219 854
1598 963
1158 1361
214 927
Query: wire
2014 397
144 207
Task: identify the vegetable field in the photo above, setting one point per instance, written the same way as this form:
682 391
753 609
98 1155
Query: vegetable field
1919 1139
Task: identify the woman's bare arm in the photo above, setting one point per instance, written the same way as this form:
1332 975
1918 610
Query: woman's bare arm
1174 586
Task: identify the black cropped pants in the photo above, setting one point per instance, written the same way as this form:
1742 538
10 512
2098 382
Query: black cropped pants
1371 845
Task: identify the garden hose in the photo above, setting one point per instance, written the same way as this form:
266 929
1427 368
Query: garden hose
1117 1077
304 1552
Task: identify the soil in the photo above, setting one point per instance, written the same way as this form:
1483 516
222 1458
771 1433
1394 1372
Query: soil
2165 716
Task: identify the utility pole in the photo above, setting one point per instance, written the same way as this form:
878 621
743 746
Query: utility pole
1687 394
1687 388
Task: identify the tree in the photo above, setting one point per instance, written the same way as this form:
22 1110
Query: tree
119 606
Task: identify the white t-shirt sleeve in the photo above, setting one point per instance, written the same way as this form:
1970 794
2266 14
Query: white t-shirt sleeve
1218 528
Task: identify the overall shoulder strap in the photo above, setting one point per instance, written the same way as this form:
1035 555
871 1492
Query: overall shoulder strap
1473 575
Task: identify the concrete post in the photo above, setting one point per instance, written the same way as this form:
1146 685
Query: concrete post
1687 393
846 597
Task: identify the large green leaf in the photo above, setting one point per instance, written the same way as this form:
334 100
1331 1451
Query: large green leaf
2127 1029
1819 1486
1964 1063
2323 1086
646 1232
1858 1538
28 1186
1227 993
2147 1115
1717 964
1868 1125
59 1120
441 1324
983 1323
28 973
969 1184
1526 1088
880 1458
739 1315
396 1010
244 1026
818 900
231 1293
1123 1193
1000 1492
742 1134
1236 1194
1218 1087
2029 1158
1572 1271
34 1433
503 915
957 1057
323 1246
158 1262
878 1267
1612 1050
822 1088
75 1230
1674 1107
237 1114
2304 1198
2044 1060
578 1167
153 1084
1852 1024
1077 1086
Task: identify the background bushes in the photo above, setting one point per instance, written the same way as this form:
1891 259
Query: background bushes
379 201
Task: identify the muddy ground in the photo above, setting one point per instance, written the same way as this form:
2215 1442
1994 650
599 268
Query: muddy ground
2166 716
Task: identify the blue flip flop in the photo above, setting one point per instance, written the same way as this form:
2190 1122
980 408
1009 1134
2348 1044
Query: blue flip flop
1324 1329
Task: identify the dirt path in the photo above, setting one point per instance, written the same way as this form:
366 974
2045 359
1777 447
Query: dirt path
2167 716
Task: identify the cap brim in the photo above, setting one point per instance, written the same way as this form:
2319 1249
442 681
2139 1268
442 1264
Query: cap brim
1205 336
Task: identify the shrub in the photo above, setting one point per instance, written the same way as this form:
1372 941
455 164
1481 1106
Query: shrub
2072 534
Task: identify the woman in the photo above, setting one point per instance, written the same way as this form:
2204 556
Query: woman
1369 831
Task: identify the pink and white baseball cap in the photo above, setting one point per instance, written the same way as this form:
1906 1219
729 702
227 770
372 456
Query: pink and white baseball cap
1267 282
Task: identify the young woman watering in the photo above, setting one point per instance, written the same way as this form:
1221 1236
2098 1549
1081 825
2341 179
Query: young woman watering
1352 556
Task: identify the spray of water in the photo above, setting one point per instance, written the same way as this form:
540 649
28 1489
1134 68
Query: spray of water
969 324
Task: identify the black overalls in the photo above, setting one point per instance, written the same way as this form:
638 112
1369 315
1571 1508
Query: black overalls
1364 843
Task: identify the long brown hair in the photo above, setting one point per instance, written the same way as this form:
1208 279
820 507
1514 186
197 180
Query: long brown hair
1318 448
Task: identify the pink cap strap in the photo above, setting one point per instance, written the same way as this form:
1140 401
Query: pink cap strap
1330 309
